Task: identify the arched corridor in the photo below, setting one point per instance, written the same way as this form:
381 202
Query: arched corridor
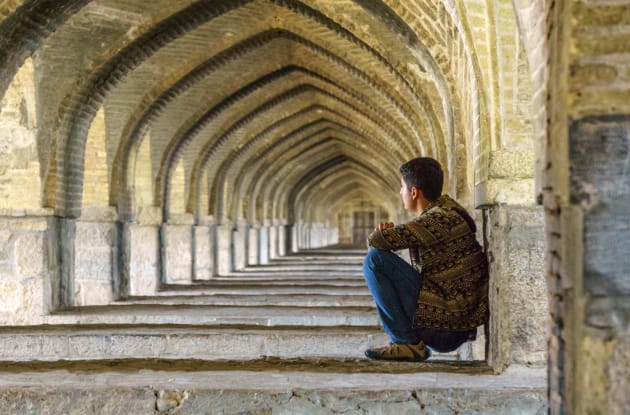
161 160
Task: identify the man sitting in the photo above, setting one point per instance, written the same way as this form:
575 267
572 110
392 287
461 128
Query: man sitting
439 300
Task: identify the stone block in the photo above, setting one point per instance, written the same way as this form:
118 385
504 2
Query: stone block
253 249
618 367
29 225
600 184
5 246
513 192
79 401
91 292
264 245
12 296
92 263
143 259
93 251
94 234
584 75
224 249
203 253
518 287
177 253
273 242
512 165
282 237
24 301
239 240
29 254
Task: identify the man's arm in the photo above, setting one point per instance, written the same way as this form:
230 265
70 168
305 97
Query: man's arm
388 237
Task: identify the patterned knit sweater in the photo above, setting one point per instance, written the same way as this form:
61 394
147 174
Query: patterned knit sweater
454 269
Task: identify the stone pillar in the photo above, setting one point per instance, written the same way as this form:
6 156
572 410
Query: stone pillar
273 241
240 239
295 238
264 244
26 277
204 256
591 341
316 235
177 249
518 293
94 239
253 248
282 239
224 248
306 236
586 188
142 253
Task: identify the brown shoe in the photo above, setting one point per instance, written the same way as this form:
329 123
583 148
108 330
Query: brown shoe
400 352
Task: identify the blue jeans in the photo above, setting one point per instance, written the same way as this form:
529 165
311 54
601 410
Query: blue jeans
395 285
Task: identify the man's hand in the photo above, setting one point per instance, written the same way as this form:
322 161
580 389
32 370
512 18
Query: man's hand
384 225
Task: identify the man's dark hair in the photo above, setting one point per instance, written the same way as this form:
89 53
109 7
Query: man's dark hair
424 173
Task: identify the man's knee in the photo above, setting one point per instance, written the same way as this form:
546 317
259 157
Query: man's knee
375 257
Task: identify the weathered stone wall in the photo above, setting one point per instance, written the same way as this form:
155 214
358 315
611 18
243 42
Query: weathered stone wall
586 199
24 269
19 162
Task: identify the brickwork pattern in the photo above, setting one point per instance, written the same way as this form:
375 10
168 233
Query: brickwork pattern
179 142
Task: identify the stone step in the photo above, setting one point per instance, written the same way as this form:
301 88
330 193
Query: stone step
308 266
291 276
203 288
282 281
237 314
56 343
296 260
298 300
195 389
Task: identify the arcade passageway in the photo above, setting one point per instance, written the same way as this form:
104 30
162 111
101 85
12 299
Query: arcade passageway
174 173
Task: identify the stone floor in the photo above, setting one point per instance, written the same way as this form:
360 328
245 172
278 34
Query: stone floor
283 338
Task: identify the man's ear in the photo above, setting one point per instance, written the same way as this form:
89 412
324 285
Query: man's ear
415 192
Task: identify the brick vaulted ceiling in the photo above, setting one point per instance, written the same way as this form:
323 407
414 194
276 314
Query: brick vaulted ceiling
274 108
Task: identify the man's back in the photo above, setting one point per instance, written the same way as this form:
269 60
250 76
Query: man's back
454 269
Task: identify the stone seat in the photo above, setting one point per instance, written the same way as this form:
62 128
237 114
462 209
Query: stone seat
83 342
200 314
320 386
254 299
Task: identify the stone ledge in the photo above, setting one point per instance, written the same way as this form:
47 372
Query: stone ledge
184 342
245 300
520 390
267 316
266 364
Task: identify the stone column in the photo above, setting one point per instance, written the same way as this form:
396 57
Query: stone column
224 248
518 327
282 239
316 235
295 238
28 254
204 255
590 346
264 244
273 241
253 248
240 239
306 236
94 239
142 252
586 187
177 249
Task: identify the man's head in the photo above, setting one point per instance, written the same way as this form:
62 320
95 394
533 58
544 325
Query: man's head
425 174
